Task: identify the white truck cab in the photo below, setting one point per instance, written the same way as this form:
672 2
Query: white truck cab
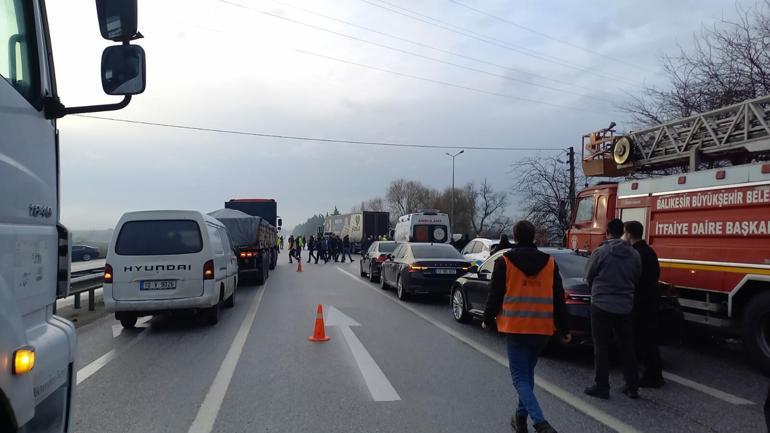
37 348
423 226
168 260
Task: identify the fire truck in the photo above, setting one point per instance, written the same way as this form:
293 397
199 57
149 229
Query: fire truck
37 347
709 227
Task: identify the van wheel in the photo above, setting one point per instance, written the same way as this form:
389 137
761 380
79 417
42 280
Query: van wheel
212 314
756 330
128 321
230 302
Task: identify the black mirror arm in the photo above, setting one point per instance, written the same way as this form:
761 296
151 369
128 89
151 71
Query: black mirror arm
54 109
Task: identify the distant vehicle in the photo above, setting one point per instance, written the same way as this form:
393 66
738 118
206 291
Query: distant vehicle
265 208
358 226
478 250
84 253
420 268
254 243
162 261
372 259
470 292
423 226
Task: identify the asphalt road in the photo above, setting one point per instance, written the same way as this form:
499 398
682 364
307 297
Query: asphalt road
388 367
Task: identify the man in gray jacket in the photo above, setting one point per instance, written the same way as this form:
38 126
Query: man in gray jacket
612 274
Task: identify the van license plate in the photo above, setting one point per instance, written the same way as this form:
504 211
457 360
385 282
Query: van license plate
445 271
157 285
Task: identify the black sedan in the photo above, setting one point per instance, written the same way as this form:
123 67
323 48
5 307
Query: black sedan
470 292
84 253
421 268
371 259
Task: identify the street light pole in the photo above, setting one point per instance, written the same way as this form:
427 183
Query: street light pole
452 205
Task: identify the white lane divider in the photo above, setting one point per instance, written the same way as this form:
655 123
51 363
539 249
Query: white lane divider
379 386
97 364
207 413
724 396
558 392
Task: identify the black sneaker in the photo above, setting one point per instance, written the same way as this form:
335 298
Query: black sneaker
544 427
598 392
519 424
647 382
632 393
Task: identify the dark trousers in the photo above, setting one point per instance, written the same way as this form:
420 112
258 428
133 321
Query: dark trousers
645 337
310 255
603 325
346 251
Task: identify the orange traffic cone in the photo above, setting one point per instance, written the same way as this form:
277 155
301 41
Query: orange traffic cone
319 331
299 265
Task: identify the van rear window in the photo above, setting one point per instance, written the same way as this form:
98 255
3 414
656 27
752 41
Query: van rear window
159 238
429 233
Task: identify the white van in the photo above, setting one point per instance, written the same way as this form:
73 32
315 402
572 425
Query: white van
423 226
165 260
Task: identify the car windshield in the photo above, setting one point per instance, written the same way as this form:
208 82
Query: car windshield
435 252
571 265
387 247
158 237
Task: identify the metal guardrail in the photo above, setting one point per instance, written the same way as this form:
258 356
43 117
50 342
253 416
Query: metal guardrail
86 281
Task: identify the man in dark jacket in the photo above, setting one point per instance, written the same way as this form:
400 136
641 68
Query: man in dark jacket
612 274
526 303
346 249
645 313
310 249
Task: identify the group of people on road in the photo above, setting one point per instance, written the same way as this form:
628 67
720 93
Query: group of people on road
526 303
322 247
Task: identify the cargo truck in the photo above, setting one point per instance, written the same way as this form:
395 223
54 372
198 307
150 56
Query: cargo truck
254 241
710 228
358 226
37 347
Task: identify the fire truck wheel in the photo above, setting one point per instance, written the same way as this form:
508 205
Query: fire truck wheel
756 330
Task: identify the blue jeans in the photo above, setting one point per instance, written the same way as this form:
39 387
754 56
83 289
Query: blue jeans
523 351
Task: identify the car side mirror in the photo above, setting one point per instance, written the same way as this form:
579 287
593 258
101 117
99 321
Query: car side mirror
485 274
123 70
117 19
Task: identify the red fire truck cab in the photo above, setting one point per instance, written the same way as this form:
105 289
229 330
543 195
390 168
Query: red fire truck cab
711 231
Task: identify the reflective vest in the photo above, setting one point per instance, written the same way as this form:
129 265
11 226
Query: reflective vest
528 303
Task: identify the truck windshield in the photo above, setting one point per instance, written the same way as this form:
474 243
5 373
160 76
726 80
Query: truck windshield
18 50
159 237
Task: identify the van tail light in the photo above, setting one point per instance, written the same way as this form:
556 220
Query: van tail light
108 273
208 270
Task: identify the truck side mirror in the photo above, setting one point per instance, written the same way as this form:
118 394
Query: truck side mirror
280 222
123 70
117 19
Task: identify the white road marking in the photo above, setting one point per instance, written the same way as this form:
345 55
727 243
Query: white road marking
721 395
563 395
379 386
118 329
207 413
97 364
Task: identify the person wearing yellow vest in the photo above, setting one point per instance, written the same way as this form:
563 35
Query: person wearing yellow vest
526 303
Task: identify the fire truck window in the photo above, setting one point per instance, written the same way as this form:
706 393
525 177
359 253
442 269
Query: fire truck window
585 209
601 211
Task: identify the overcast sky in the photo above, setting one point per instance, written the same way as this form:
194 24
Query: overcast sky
215 65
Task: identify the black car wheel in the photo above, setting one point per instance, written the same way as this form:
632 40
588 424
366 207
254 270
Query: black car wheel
459 311
361 265
756 330
86 257
373 278
401 290
383 283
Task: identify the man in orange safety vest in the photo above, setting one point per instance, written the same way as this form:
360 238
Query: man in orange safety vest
526 303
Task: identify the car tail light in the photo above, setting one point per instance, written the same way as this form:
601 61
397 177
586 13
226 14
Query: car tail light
415 268
208 270
382 258
575 297
108 274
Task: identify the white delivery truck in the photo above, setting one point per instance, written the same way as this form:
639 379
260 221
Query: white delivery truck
37 348
423 226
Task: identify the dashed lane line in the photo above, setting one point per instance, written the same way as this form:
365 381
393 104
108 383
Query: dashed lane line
558 392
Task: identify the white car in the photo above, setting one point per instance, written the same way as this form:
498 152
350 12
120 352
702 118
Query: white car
160 261
478 250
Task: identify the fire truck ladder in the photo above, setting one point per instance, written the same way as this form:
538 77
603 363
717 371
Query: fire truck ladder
734 132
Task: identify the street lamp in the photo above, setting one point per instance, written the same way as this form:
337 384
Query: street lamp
452 211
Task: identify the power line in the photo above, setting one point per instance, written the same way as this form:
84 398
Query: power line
490 40
411 53
547 36
317 139
445 83
431 47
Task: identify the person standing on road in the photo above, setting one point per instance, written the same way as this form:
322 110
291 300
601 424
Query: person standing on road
346 249
645 313
291 248
310 249
334 248
612 274
526 303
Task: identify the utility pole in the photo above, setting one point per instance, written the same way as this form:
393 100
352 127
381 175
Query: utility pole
571 194
452 205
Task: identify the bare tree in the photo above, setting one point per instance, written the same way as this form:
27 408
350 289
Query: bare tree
488 207
407 196
542 186
728 63
375 204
